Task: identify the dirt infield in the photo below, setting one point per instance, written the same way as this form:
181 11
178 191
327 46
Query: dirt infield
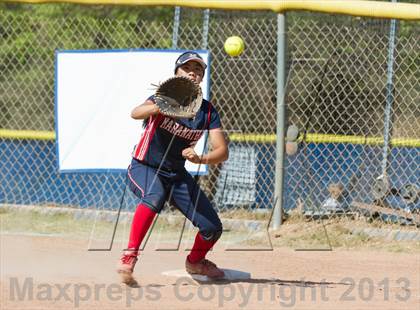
45 272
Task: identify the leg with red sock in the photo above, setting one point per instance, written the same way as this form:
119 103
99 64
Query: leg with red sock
146 184
195 205
200 248
196 263
142 220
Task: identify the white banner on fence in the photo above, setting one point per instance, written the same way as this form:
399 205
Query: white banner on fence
95 93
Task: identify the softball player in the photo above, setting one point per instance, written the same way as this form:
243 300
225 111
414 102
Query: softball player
157 174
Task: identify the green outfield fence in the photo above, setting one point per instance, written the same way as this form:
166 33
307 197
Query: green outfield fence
351 86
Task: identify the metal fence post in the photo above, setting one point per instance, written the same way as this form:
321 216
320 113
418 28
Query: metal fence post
206 19
389 95
177 15
281 116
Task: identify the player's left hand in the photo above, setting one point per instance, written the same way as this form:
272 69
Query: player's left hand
191 155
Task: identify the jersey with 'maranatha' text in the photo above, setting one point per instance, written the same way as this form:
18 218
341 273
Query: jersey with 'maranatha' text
164 137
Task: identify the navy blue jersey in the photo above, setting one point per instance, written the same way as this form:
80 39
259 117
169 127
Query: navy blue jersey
164 138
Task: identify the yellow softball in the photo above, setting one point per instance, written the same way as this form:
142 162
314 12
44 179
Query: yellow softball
234 46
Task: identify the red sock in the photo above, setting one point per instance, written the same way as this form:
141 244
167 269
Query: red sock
199 249
143 218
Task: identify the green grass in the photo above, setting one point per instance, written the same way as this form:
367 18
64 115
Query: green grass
36 222
295 233
166 228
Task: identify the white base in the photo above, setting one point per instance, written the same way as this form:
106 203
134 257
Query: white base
230 274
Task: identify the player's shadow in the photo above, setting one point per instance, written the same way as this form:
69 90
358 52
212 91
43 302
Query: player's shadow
297 283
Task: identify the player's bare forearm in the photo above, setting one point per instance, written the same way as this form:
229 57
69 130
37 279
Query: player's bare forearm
145 110
219 153
216 156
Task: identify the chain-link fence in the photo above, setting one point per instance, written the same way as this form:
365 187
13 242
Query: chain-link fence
356 106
